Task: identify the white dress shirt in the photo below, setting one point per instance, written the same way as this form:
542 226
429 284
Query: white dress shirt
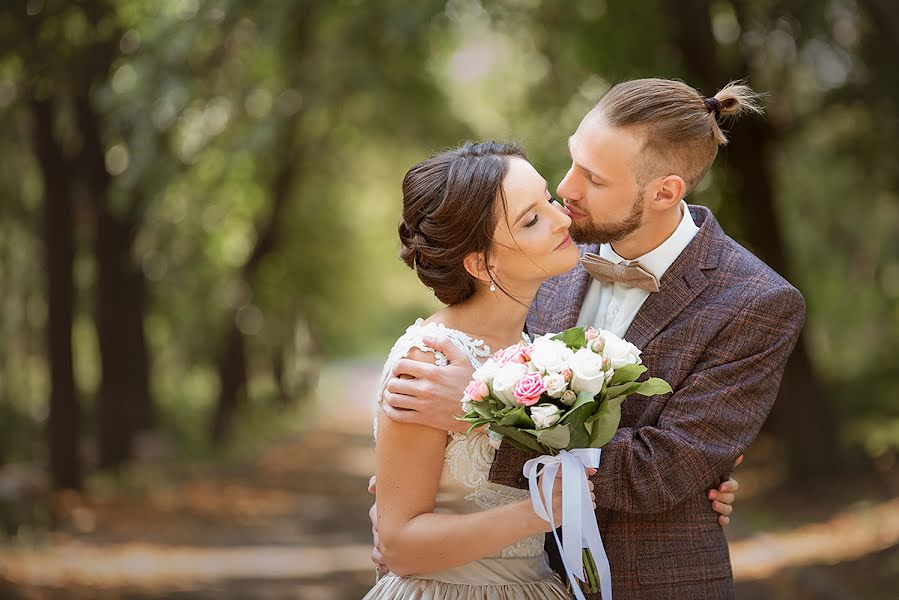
613 306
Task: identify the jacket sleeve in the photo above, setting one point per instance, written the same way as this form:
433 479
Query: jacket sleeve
706 423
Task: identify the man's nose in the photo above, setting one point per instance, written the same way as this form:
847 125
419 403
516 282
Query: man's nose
566 188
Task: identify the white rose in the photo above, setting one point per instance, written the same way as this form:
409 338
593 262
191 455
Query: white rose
545 415
550 356
555 385
487 371
619 351
587 373
504 382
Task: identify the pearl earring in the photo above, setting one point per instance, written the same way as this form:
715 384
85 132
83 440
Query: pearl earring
492 287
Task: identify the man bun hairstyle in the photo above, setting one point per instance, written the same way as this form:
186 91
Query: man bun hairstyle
681 128
449 211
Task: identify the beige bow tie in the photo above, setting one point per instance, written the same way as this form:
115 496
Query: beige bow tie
608 272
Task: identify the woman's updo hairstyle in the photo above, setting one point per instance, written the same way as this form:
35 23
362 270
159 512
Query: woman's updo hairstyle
449 211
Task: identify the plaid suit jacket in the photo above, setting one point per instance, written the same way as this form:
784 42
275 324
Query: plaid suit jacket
719 331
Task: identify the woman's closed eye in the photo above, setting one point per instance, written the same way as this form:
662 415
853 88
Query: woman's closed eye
536 218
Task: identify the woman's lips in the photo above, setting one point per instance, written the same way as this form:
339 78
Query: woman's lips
565 243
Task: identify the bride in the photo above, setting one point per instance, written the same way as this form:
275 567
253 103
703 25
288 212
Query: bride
482 231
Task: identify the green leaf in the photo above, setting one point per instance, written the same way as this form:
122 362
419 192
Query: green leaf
652 387
470 417
483 409
605 422
517 438
579 414
623 389
575 338
580 436
583 398
557 437
575 419
475 425
627 373
517 418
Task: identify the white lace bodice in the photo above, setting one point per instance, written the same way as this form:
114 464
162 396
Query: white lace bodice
464 487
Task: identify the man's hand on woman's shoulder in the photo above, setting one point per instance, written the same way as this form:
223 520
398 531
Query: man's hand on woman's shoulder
427 394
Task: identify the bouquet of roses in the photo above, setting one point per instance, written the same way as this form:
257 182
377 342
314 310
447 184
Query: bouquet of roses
560 392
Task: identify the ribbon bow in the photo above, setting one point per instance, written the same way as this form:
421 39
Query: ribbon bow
579 528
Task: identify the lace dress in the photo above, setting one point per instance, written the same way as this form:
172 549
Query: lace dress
519 571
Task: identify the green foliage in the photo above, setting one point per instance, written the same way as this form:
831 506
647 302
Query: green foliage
575 338
206 104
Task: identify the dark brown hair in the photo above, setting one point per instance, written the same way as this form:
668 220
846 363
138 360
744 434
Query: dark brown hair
449 211
681 129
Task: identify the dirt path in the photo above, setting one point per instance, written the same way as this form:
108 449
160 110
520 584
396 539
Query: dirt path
293 523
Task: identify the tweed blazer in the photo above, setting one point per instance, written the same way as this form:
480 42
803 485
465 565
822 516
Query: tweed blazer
719 331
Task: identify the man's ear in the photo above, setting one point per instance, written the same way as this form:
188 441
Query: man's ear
669 191
476 266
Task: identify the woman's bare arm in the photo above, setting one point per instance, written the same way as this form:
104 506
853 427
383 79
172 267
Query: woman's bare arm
413 539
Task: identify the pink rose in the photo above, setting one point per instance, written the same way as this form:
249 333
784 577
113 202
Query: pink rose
591 334
477 390
566 373
529 389
516 354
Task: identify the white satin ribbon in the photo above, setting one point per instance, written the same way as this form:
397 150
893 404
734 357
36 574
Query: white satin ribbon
579 528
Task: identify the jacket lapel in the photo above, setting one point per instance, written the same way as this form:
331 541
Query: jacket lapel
682 282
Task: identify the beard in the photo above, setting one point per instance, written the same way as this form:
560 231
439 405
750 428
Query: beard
586 231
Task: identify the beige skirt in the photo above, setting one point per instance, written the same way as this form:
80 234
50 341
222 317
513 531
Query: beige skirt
486 579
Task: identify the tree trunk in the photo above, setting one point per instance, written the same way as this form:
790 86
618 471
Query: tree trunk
232 371
802 415
124 404
63 422
285 399
232 366
885 16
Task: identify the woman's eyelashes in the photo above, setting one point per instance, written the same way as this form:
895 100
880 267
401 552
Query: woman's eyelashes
536 218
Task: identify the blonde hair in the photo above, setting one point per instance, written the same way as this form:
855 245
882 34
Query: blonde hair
681 129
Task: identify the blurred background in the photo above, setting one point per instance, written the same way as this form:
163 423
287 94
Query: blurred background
199 277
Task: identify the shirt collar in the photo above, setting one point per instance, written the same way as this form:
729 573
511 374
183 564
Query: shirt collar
658 260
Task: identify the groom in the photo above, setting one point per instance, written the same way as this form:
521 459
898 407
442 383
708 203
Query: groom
710 318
